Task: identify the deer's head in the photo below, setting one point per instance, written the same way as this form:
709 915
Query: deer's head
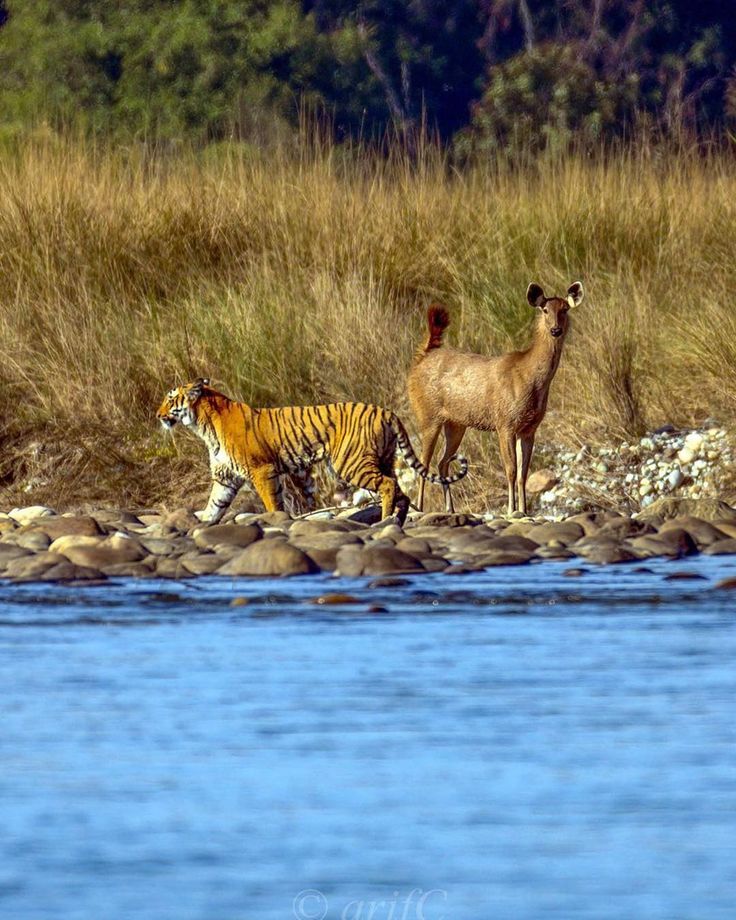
554 310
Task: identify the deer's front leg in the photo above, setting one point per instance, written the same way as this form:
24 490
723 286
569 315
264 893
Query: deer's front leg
507 444
225 487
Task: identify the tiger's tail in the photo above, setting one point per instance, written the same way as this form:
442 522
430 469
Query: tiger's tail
416 464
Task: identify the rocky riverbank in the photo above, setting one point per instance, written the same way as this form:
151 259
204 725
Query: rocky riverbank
37 544
685 463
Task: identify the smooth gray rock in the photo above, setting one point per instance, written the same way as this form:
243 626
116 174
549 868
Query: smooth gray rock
269 557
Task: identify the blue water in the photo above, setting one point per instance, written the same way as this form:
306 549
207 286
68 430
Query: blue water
512 744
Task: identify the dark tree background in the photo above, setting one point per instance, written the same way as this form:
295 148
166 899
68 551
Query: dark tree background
486 74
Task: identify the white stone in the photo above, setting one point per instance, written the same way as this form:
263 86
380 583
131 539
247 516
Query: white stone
686 455
647 500
675 478
362 497
694 441
645 487
31 513
647 443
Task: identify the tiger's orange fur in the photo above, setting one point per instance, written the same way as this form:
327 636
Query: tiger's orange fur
261 445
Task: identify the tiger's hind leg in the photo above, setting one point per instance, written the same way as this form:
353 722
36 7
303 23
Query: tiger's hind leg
392 498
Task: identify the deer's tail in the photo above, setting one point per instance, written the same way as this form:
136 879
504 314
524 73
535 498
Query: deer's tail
438 319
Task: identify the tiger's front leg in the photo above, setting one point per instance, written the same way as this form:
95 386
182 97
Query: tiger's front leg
224 489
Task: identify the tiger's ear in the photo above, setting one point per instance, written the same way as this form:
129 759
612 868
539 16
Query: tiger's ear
535 295
195 391
575 293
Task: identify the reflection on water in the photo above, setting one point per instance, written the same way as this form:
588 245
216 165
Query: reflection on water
514 744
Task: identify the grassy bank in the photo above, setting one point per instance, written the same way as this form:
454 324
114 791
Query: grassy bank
303 277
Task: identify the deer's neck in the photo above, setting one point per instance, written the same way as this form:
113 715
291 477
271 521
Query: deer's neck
543 356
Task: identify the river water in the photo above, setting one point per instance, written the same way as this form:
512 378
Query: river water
516 743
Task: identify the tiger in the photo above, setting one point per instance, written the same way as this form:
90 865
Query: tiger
261 445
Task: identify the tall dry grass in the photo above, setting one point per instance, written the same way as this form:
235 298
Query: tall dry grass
299 276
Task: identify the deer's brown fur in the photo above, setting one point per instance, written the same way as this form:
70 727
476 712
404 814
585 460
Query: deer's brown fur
452 390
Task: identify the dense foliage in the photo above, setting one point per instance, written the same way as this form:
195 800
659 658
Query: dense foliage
491 73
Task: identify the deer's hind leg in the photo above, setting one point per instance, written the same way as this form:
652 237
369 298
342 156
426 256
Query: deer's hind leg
454 434
429 435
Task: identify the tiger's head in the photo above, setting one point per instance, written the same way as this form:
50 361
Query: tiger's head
178 404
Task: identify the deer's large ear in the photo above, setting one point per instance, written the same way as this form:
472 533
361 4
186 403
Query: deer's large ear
575 293
535 295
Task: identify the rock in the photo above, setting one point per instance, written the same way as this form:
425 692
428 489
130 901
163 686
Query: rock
686 455
375 560
182 520
371 514
9 551
728 584
269 557
707 509
588 521
31 513
553 552
280 519
241 535
98 553
675 478
443 519
541 481
721 548
623 527
159 546
110 516
600 548
68 572
391 532
685 576
326 559
414 546
309 527
645 487
81 525
503 557
201 563
652 545
608 554
33 566
170 568
324 540
518 528
128 570
433 563
31 539
703 532
565 532
514 544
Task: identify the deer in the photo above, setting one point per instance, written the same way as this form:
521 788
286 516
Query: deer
452 390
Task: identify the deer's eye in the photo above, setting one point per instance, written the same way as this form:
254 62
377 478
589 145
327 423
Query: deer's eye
545 310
